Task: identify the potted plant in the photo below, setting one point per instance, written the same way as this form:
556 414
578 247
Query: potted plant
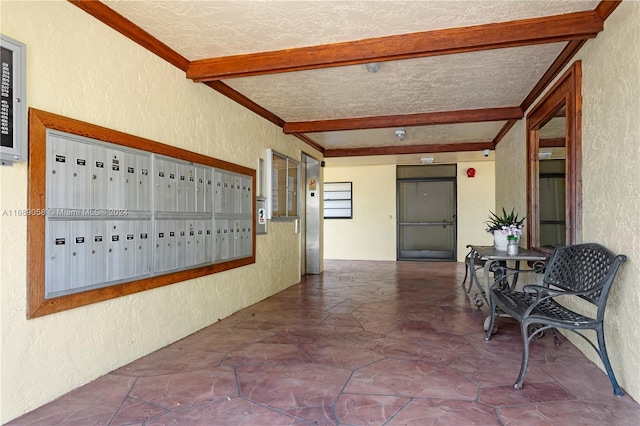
503 225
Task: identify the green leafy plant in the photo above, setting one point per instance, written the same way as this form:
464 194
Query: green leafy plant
505 220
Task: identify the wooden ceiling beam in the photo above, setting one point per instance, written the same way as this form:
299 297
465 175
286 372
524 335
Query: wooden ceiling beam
549 29
234 95
310 142
409 149
603 10
552 143
606 8
423 119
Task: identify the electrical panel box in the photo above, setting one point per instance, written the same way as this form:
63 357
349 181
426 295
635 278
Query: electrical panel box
117 214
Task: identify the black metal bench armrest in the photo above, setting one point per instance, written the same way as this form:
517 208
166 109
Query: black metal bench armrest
544 293
551 292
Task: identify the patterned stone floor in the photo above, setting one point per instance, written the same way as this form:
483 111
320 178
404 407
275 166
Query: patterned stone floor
365 343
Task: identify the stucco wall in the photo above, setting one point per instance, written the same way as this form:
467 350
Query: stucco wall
476 197
80 68
511 173
610 177
371 234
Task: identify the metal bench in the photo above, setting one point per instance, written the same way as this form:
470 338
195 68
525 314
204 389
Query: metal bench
586 271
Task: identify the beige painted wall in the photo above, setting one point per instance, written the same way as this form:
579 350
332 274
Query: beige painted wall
611 177
79 67
511 173
476 197
371 234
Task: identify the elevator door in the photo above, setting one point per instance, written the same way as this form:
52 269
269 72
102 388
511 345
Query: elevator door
426 219
310 226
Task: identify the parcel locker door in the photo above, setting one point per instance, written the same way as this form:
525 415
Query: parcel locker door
227 193
180 248
250 225
143 172
99 164
247 194
247 240
173 246
209 235
241 230
59 172
208 189
160 179
200 249
130 181
172 188
190 248
232 239
160 239
237 194
217 191
165 245
191 188
115 249
200 191
222 240
217 241
115 180
182 187
129 248
58 252
81 176
143 247
80 244
99 251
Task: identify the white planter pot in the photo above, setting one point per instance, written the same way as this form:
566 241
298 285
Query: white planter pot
500 241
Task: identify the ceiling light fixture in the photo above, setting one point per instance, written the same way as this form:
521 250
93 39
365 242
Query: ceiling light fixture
400 134
373 67
427 160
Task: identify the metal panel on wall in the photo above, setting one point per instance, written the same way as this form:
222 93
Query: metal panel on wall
107 208
118 214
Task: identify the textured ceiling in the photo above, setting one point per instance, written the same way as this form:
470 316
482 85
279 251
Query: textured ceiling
206 29
487 80
443 134
495 78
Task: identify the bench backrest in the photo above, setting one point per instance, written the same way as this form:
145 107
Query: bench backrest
584 267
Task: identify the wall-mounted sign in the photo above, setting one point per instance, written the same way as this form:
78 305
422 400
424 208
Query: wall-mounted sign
13 105
261 215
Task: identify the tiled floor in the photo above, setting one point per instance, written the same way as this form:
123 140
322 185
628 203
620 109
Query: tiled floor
393 343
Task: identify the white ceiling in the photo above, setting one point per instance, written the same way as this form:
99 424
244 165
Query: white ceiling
494 78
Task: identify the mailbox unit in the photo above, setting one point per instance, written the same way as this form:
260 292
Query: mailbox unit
115 214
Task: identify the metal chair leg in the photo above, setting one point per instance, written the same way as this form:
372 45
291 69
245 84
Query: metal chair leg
492 319
607 365
466 273
524 328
